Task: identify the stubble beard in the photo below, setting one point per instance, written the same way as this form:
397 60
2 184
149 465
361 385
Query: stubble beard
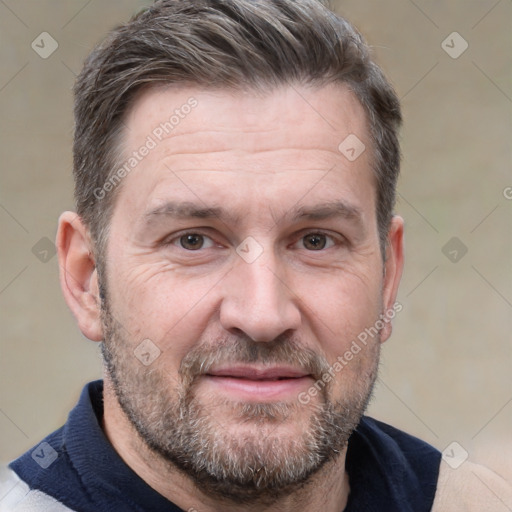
261 464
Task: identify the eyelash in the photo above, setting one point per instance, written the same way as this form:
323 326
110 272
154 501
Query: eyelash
175 240
335 240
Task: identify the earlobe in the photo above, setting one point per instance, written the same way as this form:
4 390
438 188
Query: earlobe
78 274
393 267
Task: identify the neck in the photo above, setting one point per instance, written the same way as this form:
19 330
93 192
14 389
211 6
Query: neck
327 490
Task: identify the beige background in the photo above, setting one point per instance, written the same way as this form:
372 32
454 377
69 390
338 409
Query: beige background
446 373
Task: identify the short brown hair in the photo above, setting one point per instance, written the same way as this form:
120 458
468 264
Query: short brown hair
223 44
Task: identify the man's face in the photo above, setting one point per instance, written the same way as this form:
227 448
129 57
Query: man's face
244 246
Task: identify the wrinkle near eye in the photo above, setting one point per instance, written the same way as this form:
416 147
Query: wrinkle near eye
144 274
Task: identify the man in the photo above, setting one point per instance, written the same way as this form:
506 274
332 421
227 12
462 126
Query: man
235 250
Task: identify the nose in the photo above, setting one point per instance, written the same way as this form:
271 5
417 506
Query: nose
258 300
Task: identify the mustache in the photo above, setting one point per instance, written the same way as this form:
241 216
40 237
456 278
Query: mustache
240 349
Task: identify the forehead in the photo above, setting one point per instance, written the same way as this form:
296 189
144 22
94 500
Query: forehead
196 142
331 111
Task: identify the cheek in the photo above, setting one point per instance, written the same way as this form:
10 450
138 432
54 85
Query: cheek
347 333
343 318
154 302
340 308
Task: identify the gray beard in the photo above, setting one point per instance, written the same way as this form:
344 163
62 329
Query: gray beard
258 467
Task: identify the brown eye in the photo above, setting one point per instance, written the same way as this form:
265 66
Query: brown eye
192 242
315 241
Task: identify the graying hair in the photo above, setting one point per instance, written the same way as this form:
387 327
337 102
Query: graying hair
232 44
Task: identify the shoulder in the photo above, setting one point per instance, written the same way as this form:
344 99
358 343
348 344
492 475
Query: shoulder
471 488
400 470
16 496
394 444
46 475
45 468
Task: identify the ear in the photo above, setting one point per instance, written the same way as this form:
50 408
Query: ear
78 275
393 267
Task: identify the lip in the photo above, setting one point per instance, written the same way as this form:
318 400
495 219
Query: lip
259 384
254 373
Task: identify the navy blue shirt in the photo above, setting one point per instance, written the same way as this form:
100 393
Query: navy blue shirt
389 471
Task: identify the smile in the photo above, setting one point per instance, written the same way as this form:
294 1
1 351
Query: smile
254 384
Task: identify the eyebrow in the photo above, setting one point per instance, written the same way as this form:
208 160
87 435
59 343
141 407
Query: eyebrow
329 210
185 210
189 210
